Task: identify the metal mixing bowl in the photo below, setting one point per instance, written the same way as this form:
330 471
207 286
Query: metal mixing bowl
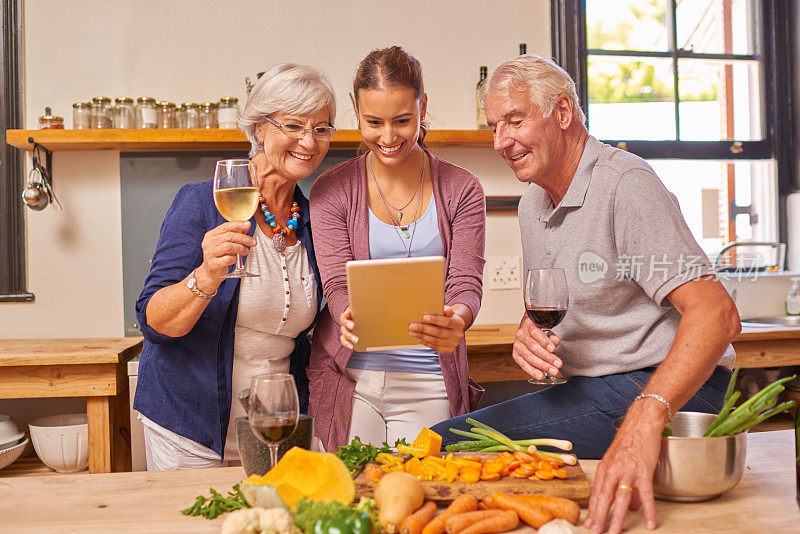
692 468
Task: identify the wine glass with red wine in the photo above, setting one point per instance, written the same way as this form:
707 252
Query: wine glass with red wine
273 410
546 300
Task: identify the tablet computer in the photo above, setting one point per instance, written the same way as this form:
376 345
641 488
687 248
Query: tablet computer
387 295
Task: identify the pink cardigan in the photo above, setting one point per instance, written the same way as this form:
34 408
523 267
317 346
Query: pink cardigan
340 225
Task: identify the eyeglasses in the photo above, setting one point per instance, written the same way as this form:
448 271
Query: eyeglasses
320 133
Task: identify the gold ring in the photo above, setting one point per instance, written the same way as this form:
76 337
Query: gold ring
625 487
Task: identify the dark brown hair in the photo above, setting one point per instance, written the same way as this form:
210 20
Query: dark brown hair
391 67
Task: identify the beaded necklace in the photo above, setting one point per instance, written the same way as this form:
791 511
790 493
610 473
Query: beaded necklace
279 233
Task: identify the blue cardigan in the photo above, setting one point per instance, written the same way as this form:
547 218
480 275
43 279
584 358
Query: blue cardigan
184 383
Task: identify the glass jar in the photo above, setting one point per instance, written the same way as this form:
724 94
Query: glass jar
81 116
51 122
146 116
101 112
180 116
191 115
228 113
166 115
208 115
124 113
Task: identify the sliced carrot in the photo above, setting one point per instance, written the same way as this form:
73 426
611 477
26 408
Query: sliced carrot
414 523
523 456
560 473
469 476
545 466
490 477
507 520
544 475
494 467
465 502
532 514
459 522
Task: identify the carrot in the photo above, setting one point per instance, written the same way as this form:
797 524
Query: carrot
414 523
507 520
459 522
534 515
463 503
560 507
487 502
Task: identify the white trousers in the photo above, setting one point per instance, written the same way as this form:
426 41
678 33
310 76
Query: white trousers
388 406
167 451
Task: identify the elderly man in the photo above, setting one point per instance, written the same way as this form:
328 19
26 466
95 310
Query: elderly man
648 328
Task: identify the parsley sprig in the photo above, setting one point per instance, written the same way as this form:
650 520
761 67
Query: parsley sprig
357 454
211 507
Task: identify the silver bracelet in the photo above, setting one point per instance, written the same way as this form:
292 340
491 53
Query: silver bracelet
658 398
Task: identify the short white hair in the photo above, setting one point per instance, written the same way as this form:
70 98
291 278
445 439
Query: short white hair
286 88
541 77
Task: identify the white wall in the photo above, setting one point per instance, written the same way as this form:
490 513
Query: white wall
200 50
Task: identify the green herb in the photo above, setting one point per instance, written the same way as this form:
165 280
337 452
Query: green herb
756 409
215 505
357 454
311 514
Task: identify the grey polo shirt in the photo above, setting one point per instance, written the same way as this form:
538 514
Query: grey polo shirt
624 246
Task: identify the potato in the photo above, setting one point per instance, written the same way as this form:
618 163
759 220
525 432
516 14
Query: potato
397 495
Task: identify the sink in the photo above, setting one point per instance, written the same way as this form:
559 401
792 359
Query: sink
787 320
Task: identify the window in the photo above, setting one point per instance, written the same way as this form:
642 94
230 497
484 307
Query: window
693 87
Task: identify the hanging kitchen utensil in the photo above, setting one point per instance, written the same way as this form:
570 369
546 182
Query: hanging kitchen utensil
39 191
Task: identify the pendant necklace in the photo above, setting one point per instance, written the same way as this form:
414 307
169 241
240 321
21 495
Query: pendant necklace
392 206
396 223
279 233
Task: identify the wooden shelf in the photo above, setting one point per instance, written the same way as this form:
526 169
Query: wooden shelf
196 139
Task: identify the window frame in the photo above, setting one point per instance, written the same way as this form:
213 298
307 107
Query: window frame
569 45
12 230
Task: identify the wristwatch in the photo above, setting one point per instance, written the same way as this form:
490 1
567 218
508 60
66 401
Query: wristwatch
191 283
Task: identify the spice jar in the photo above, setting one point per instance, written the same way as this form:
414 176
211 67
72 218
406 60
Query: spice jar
166 115
228 112
124 113
191 115
146 116
208 115
81 116
101 112
48 121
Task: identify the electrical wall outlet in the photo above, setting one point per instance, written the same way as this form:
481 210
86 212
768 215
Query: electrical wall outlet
503 272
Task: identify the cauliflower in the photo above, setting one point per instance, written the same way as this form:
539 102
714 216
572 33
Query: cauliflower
260 521
558 526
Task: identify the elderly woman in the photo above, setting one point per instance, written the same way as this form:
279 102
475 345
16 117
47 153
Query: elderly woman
205 337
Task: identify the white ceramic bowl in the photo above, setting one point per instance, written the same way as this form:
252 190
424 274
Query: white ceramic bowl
62 441
9 431
9 456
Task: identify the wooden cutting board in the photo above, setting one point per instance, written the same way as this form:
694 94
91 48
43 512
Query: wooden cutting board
575 487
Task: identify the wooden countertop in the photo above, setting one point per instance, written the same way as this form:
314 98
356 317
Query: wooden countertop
35 352
136 502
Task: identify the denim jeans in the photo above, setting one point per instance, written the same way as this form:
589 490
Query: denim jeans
581 410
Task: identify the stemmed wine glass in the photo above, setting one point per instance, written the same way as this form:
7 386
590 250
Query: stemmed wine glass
546 300
273 410
236 197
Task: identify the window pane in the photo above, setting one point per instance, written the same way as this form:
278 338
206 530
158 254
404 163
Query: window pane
719 101
627 25
701 188
631 98
715 26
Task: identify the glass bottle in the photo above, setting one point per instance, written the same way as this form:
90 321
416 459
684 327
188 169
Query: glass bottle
208 115
146 116
228 113
523 49
81 116
481 112
101 112
124 115
166 115
191 115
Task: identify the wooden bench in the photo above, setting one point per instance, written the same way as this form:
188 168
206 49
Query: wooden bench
489 350
91 368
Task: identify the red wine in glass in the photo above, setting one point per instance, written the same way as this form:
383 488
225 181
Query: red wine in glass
546 300
274 430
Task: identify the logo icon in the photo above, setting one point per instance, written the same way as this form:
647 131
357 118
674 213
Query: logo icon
591 267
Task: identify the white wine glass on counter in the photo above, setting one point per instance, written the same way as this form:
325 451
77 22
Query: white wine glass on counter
273 410
236 197
546 301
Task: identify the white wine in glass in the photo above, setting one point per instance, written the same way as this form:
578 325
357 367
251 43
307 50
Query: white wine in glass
236 197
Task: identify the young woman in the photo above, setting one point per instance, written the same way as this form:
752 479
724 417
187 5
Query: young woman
396 200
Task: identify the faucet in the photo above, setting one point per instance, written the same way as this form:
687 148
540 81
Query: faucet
778 266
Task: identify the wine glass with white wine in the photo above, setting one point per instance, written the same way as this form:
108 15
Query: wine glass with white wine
236 197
